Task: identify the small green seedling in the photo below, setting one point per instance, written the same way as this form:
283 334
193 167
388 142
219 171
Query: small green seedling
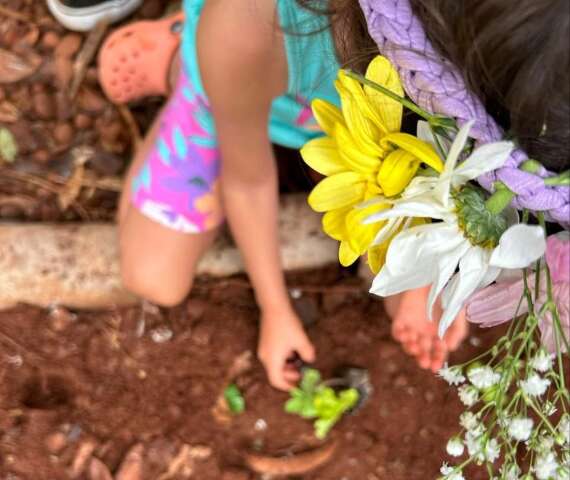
234 399
314 400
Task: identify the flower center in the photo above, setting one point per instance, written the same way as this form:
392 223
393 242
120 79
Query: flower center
480 226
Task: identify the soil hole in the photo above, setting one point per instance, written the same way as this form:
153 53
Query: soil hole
45 392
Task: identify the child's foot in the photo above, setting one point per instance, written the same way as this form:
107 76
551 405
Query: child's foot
138 60
418 334
83 15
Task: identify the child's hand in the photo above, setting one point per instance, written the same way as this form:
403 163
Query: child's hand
281 336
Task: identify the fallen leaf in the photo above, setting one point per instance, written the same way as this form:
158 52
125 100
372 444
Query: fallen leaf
14 68
184 462
8 146
234 399
72 188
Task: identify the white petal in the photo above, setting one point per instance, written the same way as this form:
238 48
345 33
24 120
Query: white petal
386 283
472 270
519 246
424 132
388 230
444 184
422 206
446 266
419 185
484 159
412 248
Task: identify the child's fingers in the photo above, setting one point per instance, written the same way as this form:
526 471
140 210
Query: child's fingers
439 355
306 351
291 376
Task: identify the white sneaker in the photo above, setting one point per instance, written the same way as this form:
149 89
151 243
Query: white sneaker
83 15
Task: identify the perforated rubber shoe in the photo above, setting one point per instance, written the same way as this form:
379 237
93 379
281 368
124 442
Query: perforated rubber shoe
83 15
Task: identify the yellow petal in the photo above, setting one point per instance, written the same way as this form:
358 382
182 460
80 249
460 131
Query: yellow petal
377 257
327 115
421 150
354 107
334 223
337 191
382 72
321 154
360 234
346 255
396 172
352 153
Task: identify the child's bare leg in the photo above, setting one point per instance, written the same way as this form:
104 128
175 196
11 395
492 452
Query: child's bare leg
418 334
157 262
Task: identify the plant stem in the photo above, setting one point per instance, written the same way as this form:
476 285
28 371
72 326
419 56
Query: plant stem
389 93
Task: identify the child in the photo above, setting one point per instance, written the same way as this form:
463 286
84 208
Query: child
245 64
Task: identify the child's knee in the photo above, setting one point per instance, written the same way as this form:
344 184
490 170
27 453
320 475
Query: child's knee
149 284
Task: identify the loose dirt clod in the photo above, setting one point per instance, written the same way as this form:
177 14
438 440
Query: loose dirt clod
298 464
82 458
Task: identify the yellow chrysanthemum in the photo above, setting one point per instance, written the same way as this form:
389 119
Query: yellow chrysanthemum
363 155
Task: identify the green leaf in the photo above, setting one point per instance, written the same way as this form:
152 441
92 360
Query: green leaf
301 403
323 427
234 399
8 146
311 379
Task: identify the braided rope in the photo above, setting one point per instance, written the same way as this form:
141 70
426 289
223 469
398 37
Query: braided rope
438 87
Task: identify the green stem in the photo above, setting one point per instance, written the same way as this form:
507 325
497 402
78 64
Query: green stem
389 93
500 199
559 180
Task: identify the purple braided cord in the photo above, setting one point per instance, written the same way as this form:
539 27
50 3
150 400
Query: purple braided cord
438 87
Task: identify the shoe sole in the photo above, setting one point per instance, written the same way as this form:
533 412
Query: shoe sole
84 19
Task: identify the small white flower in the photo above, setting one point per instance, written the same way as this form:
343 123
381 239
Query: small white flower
520 428
544 444
542 362
549 408
534 386
455 447
545 466
469 421
450 474
474 446
492 450
483 377
451 375
564 428
510 472
468 395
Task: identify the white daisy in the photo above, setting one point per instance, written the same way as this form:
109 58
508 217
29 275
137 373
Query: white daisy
545 466
468 395
451 375
520 428
542 362
534 386
430 254
483 377
455 447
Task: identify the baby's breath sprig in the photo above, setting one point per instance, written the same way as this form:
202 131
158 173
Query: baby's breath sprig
517 402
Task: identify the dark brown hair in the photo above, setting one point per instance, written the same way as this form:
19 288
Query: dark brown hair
514 55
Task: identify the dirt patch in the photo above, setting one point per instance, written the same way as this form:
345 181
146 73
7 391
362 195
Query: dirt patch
101 392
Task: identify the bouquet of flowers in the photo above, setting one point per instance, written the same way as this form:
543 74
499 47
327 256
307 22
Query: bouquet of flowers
410 203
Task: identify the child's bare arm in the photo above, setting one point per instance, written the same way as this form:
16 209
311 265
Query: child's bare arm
243 68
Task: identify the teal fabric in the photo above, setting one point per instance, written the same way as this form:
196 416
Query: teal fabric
312 69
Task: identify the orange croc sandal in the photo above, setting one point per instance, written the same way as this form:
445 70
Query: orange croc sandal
134 61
